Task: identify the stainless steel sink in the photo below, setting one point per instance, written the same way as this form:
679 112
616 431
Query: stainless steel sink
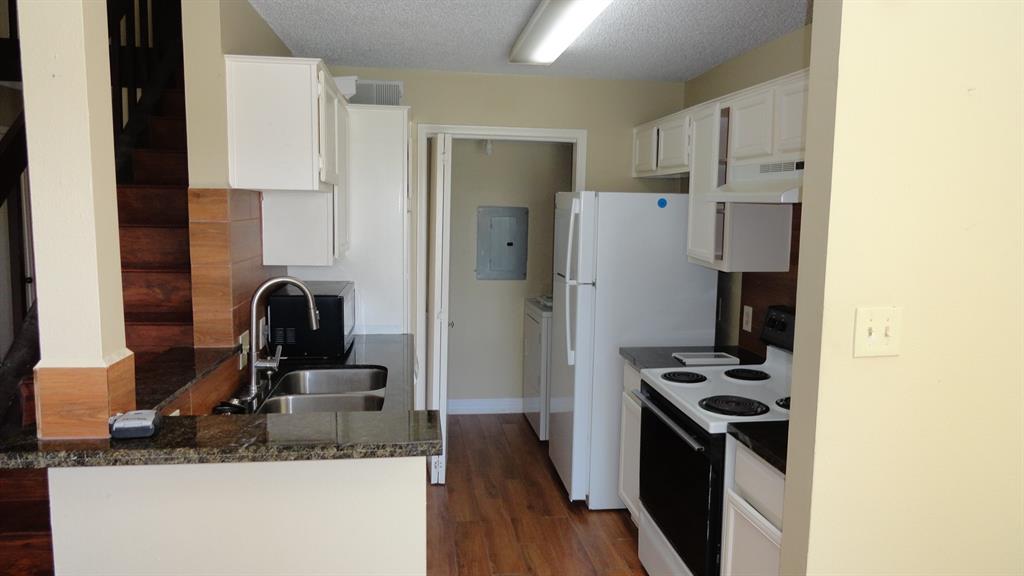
305 404
334 381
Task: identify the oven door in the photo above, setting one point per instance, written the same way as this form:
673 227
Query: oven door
681 481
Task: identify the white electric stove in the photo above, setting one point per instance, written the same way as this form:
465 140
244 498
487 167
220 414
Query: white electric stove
714 396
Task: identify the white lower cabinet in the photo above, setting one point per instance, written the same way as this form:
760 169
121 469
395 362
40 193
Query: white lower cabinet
751 513
750 545
629 455
629 444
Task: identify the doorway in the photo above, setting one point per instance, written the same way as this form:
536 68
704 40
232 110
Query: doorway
446 256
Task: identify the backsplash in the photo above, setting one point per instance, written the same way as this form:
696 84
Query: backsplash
763 289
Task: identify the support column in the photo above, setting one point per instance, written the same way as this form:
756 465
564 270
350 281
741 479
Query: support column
85 373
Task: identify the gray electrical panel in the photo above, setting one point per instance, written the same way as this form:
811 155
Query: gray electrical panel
501 238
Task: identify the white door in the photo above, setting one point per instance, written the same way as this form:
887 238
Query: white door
567 423
438 314
790 116
674 143
645 149
750 125
629 456
701 231
751 546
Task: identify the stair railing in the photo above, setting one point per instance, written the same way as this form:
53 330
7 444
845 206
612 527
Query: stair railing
145 49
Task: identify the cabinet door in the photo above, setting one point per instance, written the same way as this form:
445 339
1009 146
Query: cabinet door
272 125
329 105
750 545
674 144
298 228
750 125
645 147
629 456
790 116
702 232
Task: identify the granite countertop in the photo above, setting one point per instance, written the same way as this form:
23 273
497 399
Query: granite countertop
160 381
769 440
643 357
395 431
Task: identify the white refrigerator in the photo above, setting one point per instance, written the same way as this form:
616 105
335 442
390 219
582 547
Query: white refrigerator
621 278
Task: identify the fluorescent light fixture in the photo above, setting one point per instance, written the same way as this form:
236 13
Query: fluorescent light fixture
554 26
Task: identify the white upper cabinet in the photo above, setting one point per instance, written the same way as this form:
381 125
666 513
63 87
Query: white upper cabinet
282 124
704 233
790 116
751 119
645 150
730 237
674 143
662 147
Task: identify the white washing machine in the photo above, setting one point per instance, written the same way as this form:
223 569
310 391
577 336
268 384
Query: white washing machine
536 336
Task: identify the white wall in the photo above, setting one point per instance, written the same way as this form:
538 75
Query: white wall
485 347
375 261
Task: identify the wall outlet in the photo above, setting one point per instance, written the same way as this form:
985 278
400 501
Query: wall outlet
877 331
748 318
243 358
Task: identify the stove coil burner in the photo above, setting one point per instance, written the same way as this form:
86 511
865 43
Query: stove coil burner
783 403
684 377
747 374
733 406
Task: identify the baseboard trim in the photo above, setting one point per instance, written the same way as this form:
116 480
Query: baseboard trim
486 406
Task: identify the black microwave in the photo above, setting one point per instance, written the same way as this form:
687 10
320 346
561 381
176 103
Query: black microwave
288 320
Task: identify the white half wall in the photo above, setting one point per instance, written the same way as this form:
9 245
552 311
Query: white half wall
336 517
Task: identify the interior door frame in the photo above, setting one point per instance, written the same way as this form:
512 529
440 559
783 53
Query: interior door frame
438 398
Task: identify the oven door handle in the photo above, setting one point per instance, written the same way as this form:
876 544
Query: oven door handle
697 446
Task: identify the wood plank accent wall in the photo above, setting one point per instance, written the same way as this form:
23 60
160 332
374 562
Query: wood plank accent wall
763 289
226 247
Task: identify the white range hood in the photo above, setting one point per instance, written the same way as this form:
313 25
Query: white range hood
777 183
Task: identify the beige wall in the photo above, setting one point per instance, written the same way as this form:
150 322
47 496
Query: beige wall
914 465
486 346
212 29
779 57
607 109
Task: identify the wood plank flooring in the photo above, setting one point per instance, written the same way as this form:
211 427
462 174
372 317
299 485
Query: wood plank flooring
504 511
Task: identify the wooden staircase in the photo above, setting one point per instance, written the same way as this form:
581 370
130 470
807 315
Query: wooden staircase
153 214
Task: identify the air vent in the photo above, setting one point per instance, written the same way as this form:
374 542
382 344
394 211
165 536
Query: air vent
380 92
779 167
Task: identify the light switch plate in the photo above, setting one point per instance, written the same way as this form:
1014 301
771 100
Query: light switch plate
748 318
877 331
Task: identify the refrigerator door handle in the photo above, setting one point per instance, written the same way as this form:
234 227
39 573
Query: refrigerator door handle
570 354
573 211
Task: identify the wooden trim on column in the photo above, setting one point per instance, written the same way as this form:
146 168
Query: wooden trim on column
76 402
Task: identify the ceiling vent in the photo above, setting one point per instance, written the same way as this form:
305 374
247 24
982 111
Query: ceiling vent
381 92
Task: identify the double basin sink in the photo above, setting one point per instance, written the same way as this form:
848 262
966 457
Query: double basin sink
328 390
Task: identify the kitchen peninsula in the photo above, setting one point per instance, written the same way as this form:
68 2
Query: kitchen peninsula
207 493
